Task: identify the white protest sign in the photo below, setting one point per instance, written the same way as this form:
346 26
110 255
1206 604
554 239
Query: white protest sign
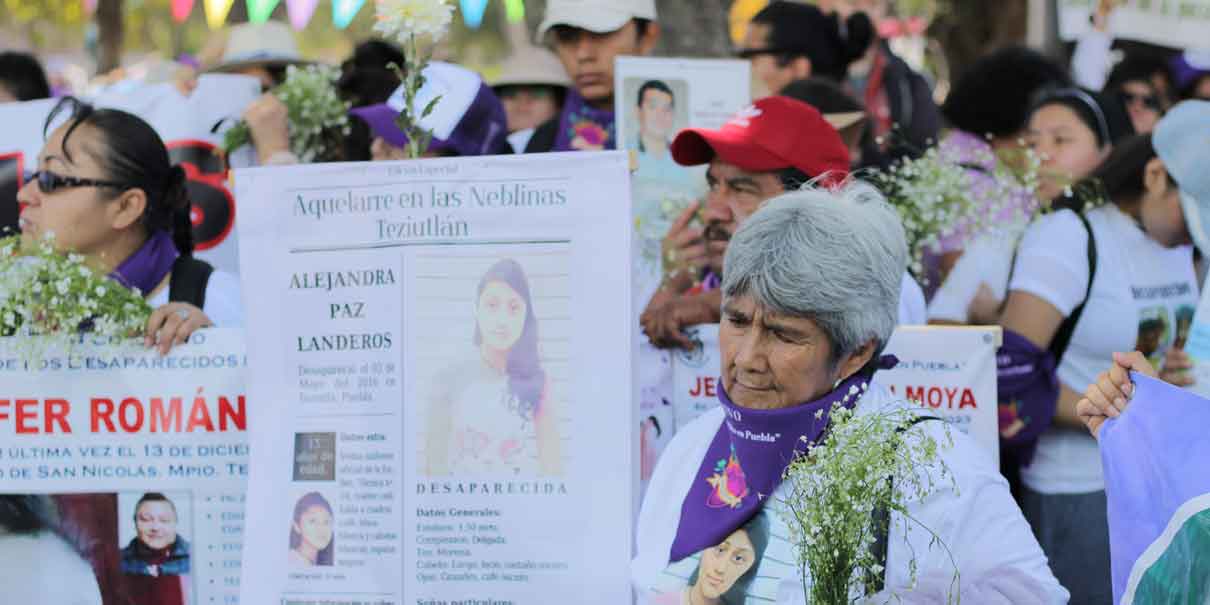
90 433
656 99
949 370
183 122
1175 23
459 331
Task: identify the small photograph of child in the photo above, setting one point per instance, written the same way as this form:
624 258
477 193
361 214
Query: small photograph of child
311 539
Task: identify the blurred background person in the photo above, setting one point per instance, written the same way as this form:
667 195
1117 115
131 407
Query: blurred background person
22 78
262 51
532 85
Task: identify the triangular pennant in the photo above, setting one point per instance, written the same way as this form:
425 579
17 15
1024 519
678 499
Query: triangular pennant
260 10
514 10
216 12
343 12
300 12
472 12
90 6
181 10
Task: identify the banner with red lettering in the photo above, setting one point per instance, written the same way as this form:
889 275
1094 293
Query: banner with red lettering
949 370
123 472
185 123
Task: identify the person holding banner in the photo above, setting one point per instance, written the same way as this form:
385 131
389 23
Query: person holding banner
794 341
105 189
1099 281
587 35
776 145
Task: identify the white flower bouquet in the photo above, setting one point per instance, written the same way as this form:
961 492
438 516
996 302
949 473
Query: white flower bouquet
417 25
47 296
318 118
845 492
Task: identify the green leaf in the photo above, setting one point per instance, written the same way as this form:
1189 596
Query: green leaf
428 109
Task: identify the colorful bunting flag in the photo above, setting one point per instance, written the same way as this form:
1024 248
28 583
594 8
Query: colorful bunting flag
259 10
343 11
216 12
472 12
181 10
514 10
300 12
90 7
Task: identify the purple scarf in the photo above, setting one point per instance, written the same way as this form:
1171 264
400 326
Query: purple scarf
745 462
146 268
581 121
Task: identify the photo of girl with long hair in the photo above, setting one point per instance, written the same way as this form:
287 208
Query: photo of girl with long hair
492 414
311 541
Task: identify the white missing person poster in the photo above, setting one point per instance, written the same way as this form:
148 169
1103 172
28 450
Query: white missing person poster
123 472
445 351
656 99
951 371
1172 23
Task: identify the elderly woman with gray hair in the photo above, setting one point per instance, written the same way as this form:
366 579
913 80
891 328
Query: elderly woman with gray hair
810 298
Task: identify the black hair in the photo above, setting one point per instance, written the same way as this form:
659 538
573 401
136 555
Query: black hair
802 30
1119 179
654 85
20 514
152 497
374 54
1105 116
792 179
23 77
1138 67
132 153
993 97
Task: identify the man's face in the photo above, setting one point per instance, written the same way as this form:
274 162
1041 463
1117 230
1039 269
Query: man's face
768 77
656 114
588 56
155 521
734 195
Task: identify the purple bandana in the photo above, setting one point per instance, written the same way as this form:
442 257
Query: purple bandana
146 268
579 120
745 462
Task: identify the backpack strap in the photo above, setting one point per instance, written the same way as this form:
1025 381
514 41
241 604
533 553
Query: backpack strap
1058 344
188 281
1062 337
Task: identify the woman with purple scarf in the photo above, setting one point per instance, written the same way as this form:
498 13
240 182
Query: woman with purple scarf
810 289
105 189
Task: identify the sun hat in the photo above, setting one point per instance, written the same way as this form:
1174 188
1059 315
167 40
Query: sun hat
532 66
268 44
1182 141
599 16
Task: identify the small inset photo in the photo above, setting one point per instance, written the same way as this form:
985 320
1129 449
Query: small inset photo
315 456
155 530
311 531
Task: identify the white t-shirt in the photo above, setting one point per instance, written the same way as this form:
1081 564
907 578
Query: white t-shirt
911 303
992 545
987 260
42 568
224 306
1141 291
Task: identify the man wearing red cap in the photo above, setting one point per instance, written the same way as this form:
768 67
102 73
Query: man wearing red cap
768 148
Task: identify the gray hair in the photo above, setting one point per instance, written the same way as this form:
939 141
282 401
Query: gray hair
835 257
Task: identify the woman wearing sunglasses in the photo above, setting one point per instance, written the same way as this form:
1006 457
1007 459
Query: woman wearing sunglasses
1134 81
105 189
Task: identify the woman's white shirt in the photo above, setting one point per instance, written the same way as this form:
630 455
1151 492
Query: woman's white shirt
987 260
224 305
1010 568
1136 280
911 302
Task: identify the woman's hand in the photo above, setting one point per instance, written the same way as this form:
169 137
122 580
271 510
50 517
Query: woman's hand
268 121
171 325
1108 396
984 308
1176 369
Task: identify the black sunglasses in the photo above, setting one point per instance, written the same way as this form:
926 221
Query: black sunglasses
1148 101
50 182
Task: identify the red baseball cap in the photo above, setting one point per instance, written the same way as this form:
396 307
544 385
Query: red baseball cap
772 134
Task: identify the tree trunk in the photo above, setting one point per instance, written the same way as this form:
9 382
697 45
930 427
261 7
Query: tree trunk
969 29
689 29
110 34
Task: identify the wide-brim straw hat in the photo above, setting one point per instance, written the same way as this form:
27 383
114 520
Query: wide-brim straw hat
531 66
269 44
